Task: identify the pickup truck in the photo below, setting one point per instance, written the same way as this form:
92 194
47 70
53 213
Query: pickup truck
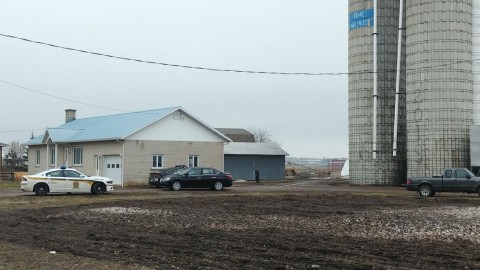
453 180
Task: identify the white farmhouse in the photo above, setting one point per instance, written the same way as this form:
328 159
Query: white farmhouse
126 147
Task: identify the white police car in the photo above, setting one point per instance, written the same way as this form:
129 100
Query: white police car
65 180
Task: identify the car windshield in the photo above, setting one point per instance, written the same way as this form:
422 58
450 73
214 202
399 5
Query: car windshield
183 171
463 173
190 170
174 170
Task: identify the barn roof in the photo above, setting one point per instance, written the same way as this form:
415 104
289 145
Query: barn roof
237 134
245 148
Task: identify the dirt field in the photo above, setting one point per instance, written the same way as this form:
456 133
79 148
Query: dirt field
299 225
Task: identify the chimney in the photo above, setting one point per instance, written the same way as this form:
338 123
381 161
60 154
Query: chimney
69 115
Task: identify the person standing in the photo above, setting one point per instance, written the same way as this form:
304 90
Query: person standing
257 175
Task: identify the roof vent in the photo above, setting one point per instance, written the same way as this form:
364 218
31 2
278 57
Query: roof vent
69 115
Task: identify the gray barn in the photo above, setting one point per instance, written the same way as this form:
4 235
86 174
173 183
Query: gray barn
242 158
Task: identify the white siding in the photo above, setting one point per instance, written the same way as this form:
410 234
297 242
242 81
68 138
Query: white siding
176 127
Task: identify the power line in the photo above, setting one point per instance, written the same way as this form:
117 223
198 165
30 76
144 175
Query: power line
20 131
120 110
62 98
175 65
234 70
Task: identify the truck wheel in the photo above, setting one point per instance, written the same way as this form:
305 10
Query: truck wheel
425 191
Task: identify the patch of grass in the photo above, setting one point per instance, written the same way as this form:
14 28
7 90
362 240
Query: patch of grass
9 184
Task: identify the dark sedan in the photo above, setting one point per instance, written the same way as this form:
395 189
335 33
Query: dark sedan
197 177
155 176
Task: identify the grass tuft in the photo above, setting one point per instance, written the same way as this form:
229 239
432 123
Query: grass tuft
9 184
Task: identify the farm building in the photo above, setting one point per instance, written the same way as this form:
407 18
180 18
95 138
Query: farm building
414 87
1 152
126 147
241 158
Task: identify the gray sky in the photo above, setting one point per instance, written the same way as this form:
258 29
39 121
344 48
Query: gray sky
308 115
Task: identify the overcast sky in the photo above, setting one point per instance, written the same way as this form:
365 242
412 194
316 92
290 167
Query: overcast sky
307 115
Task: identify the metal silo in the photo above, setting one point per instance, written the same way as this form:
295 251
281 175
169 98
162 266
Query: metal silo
439 85
475 130
476 61
376 105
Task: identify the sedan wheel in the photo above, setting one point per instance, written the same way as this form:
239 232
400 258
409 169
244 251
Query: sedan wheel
41 189
98 189
176 185
218 186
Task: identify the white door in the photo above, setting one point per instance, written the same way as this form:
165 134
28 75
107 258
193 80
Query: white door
65 157
97 165
112 168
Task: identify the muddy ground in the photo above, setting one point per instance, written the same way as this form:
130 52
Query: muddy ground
243 227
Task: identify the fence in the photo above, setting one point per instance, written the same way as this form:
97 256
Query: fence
7 173
7 176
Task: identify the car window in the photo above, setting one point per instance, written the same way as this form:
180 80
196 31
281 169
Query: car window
208 171
195 171
460 174
55 174
72 174
448 173
183 171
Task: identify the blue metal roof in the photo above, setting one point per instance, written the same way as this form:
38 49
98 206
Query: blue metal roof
62 135
112 127
35 141
101 128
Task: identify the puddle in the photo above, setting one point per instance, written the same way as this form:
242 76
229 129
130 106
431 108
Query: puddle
131 211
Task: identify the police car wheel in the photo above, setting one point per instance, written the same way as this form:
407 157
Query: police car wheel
41 189
98 189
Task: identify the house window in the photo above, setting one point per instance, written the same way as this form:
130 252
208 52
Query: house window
77 156
157 161
193 161
37 158
52 156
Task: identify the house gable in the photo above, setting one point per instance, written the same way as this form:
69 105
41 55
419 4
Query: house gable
178 126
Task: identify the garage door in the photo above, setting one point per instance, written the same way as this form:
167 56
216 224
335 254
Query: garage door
112 168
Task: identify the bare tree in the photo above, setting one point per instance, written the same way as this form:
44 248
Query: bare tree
261 135
16 153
